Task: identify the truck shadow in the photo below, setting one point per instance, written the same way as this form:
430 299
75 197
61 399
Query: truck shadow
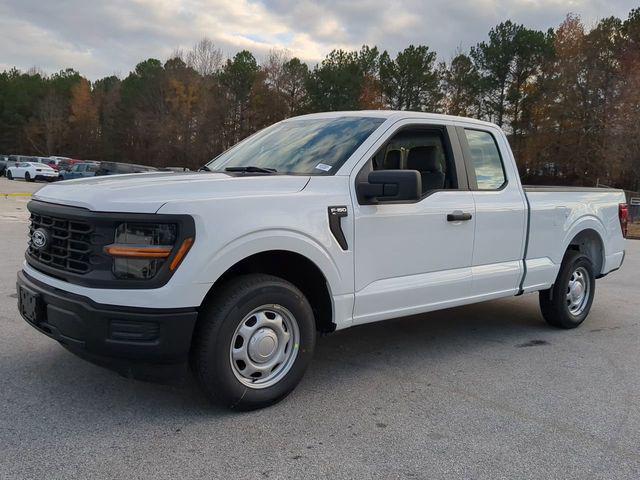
444 332
480 331
343 357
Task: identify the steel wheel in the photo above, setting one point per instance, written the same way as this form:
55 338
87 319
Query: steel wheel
578 290
264 346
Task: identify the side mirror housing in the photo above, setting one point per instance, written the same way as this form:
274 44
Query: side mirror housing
390 186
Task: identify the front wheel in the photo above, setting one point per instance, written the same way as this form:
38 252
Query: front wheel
9 175
568 302
253 342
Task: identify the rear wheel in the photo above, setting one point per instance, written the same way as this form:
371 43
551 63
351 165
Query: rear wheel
568 302
253 342
27 177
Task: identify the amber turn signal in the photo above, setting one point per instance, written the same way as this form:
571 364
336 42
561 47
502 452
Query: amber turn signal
126 251
182 252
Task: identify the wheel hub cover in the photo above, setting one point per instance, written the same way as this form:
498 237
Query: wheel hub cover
263 345
577 290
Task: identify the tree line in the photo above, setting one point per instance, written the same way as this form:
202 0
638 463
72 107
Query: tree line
568 98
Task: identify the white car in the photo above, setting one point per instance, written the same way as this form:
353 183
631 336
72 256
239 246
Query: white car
315 224
31 171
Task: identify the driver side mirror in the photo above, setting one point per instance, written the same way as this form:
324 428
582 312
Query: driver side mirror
390 186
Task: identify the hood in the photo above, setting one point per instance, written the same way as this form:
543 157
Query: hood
147 192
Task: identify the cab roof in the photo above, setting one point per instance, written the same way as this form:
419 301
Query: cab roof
396 115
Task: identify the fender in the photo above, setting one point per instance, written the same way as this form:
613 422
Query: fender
585 222
275 239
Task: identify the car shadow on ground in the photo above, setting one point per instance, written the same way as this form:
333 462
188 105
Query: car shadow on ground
70 384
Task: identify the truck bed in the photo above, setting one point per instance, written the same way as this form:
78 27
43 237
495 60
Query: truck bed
553 188
556 215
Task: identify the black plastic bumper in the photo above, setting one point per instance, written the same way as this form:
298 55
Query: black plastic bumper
109 335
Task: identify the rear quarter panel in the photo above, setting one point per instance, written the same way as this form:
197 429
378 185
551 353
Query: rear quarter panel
557 216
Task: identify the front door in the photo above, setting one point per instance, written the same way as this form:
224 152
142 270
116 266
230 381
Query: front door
20 169
412 257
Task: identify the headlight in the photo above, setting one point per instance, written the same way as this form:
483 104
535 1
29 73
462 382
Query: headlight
141 249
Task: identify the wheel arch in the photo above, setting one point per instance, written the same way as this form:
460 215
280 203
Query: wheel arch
589 241
292 266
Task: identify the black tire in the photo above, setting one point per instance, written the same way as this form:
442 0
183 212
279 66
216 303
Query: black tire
554 302
27 177
218 324
9 175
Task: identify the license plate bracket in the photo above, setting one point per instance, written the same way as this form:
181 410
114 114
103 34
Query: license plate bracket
30 305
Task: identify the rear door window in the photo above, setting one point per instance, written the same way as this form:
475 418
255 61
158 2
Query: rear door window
486 160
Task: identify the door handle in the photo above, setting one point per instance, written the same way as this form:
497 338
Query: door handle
458 216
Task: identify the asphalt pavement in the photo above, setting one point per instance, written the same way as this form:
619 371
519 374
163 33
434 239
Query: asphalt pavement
480 392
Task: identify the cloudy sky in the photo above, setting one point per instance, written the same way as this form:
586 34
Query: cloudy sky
103 37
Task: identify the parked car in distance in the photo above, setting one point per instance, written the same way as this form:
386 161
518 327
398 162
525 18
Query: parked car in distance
44 161
12 160
117 168
58 158
31 171
22 158
9 162
314 224
68 163
4 161
79 170
52 163
55 161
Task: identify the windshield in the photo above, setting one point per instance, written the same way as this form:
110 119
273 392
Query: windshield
314 146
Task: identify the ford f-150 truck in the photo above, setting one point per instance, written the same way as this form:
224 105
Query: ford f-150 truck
315 224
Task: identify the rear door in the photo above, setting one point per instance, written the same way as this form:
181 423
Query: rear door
90 170
500 212
76 171
408 257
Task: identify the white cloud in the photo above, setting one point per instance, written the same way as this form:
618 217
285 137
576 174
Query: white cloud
102 37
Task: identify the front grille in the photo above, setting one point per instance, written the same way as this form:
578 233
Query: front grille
69 247
75 238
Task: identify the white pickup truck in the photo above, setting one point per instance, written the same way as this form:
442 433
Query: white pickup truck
315 224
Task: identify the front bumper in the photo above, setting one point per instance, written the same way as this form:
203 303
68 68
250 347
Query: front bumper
106 334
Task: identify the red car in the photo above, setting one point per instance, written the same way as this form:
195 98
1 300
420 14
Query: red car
62 163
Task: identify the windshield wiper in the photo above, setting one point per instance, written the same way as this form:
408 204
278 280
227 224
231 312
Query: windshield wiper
251 169
205 169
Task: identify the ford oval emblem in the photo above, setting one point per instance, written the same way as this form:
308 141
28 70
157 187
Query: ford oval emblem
40 238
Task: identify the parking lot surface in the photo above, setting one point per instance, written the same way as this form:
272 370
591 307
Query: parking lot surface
484 392
14 196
